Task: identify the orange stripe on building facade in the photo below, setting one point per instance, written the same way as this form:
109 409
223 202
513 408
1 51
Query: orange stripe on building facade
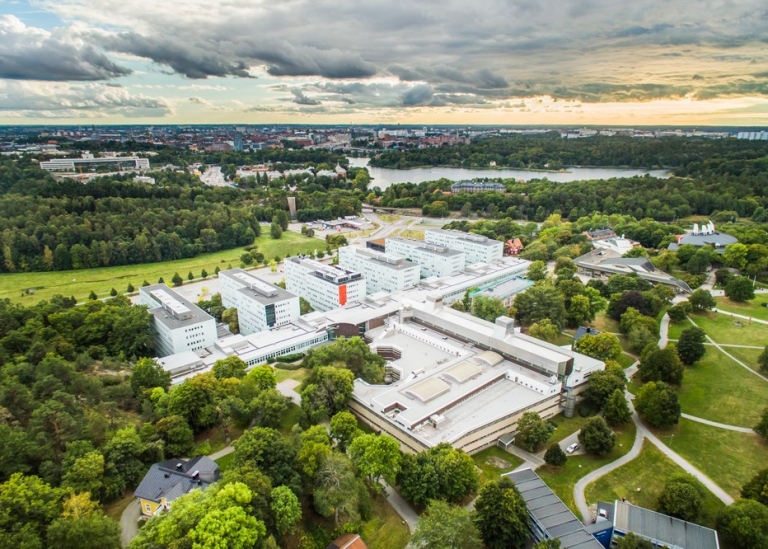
343 294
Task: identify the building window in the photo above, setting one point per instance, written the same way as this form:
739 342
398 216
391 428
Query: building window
148 508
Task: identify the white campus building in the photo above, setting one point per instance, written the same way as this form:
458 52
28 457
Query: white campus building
383 272
71 164
326 287
450 377
434 260
260 305
476 248
179 325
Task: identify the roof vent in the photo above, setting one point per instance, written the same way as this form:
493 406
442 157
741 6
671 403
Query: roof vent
196 474
166 475
179 466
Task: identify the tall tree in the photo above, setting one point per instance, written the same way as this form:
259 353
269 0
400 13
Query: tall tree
681 498
376 456
596 437
286 509
502 516
743 525
658 405
488 308
616 410
662 365
690 346
532 431
446 526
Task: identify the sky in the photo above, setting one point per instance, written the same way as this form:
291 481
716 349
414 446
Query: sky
569 62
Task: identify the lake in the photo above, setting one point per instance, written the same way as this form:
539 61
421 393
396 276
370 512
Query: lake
385 177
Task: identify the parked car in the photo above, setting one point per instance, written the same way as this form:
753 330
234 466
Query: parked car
572 448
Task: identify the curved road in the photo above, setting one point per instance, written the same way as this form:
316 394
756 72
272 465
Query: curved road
643 433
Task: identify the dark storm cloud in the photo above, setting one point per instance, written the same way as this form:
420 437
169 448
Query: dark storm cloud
32 54
287 60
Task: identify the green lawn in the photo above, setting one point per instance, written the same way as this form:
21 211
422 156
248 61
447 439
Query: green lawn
676 328
290 418
718 389
115 509
226 461
723 328
566 426
604 323
729 458
217 437
626 360
299 375
488 470
747 356
753 308
642 480
102 280
385 529
562 479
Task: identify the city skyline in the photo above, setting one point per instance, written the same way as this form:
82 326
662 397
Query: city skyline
492 62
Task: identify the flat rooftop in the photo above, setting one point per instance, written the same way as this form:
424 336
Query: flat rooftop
387 260
172 309
425 247
478 239
445 380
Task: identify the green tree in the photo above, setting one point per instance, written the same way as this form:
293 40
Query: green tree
690 347
351 353
177 280
305 307
537 270
267 450
616 410
681 498
344 429
203 274
92 296
678 313
82 525
230 317
336 490
286 509
662 365
195 400
28 506
538 303
757 487
555 455
177 435
441 472
148 374
231 366
762 360
130 289
658 405
86 474
113 292
488 308
601 386
597 437
743 525
762 427
502 516
190 276
740 289
735 255
603 346
701 300
548 544
376 456
445 526
532 431
276 231
326 392
545 330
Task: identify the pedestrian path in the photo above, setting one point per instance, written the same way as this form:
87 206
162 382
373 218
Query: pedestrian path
716 424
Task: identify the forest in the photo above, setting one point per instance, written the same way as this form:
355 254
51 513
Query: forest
49 225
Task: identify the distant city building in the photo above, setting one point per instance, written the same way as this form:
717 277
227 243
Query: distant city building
383 272
325 287
753 136
178 324
476 248
434 260
477 187
260 305
237 143
704 235
72 164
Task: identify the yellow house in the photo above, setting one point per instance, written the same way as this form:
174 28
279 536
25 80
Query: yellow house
172 478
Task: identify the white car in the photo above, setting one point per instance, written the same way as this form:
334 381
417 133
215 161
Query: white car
572 448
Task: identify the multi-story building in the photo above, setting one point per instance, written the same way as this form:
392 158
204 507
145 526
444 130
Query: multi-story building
476 248
326 287
178 324
434 260
477 187
71 164
260 305
383 272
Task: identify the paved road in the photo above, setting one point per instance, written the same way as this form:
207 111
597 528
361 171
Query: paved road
532 460
402 507
581 485
288 388
716 424
129 523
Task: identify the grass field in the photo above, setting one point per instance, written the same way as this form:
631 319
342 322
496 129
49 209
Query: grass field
724 328
754 308
565 427
562 479
489 471
290 418
604 323
226 461
102 280
385 529
718 389
642 480
729 458
115 509
747 356
299 375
